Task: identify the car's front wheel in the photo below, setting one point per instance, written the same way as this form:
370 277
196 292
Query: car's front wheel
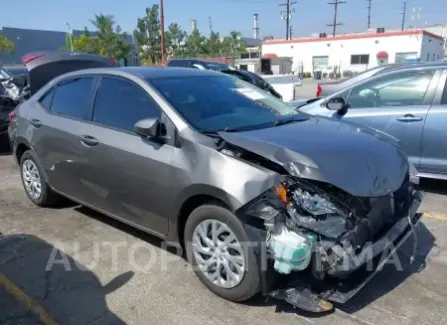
34 182
218 248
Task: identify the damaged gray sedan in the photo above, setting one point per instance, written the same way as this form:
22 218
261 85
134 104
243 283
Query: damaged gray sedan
263 198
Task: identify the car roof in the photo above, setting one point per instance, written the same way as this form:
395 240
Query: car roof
146 73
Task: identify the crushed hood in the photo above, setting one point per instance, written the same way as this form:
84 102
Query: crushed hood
350 158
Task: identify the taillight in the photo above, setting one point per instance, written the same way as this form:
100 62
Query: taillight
319 90
11 116
29 58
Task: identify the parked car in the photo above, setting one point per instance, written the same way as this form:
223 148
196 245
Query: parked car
247 76
254 79
40 68
262 197
408 103
327 88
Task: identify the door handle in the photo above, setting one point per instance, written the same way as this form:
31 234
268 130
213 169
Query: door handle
409 118
89 140
36 123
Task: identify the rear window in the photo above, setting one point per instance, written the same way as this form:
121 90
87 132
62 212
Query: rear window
74 98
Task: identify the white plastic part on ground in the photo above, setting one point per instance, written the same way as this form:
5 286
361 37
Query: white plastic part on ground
284 85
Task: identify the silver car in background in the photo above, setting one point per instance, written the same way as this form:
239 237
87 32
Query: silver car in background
409 104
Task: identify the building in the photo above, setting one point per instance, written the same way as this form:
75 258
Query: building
353 53
31 40
441 31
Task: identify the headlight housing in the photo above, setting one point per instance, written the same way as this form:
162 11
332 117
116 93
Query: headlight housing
314 204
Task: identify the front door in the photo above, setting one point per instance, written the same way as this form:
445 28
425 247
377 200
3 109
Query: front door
129 176
396 104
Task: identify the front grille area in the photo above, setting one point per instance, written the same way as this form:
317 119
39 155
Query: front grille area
383 213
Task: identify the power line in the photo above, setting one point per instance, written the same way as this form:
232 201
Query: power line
287 15
369 14
335 23
404 12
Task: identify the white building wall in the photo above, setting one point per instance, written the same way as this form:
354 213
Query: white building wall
432 49
339 51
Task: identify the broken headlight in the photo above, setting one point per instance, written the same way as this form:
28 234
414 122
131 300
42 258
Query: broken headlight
313 203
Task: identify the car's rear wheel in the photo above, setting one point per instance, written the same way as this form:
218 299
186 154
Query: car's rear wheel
34 181
218 248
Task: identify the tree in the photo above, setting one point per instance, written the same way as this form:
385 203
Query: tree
86 44
6 46
196 44
214 45
111 39
175 39
233 45
148 36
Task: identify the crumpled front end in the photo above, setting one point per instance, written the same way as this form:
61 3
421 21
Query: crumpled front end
319 236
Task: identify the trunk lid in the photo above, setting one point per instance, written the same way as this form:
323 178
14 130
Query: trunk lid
45 66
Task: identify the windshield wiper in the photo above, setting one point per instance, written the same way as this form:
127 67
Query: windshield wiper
289 120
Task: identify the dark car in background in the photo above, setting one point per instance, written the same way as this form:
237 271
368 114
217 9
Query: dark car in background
247 76
40 68
208 160
408 103
254 79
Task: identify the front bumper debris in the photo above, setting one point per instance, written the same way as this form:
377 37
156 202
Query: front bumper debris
308 293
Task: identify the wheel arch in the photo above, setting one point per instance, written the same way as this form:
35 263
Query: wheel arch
193 197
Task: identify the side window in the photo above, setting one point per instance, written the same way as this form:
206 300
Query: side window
404 89
46 99
120 104
73 98
444 95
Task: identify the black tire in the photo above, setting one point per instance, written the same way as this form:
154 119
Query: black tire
250 284
48 197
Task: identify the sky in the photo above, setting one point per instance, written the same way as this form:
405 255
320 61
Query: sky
310 16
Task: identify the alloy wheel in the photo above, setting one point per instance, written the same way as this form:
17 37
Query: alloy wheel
31 179
218 253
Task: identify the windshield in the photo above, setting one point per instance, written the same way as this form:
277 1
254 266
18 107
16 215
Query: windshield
216 103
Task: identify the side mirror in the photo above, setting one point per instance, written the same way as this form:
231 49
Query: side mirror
336 104
147 128
151 128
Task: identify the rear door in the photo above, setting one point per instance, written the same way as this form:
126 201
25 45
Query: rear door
57 124
128 176
434 136
396 104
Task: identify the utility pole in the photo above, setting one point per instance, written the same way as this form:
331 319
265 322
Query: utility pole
404 12
287 15
290 31
335 23
162 30
210 25
369 14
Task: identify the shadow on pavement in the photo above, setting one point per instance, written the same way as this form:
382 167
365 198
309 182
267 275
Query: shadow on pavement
435 186
67 290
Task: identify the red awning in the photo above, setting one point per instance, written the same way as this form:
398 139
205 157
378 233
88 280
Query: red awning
270 56
382 55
